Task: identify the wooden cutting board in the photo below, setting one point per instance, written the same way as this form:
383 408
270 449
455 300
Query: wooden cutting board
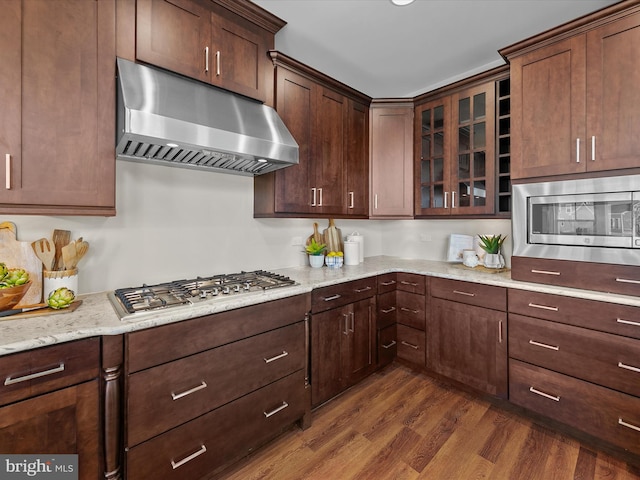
15 254
45 311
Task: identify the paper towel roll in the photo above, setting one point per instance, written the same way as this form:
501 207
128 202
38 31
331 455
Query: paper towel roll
355 236
351 252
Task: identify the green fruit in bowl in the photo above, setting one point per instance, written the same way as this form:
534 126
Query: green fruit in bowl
61 298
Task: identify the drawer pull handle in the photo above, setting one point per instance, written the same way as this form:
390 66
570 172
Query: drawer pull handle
464 293
545 395
386 284
177 396
629 367
388 310
545 272
202 450
628 280
544 345
51 371
628 425
393 342
628 322
543 307
360 290
404 309
276 410
333 297
415 347
404 282
277 357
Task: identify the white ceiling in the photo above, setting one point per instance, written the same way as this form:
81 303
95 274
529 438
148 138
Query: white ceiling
386 51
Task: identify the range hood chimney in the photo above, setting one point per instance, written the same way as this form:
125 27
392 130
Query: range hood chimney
167 119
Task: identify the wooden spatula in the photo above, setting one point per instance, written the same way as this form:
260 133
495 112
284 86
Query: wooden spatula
60 239
69 257
45 252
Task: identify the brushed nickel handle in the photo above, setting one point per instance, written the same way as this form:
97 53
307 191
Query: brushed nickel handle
31 376
404 282
627 280
629 367
388 310
276 410
393 342
628 425
543 307
500 331
320 196
577 150
206 59
593 148
545 272
628 322
202 450
360 290
445 199
313 196
467 294
332 297
346 323
351 200
386 284
404 309
544 345
177 396
375 201
453 199
7 166
545 395
277 357
415 347
217 63
353 322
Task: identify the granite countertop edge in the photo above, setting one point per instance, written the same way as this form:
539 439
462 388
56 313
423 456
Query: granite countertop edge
96 316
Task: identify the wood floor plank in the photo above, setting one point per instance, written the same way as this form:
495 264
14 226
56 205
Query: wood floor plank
585 468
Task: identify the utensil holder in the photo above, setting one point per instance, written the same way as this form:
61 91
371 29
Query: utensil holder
54 279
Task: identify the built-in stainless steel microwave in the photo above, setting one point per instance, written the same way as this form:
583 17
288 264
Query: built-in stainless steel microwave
591 220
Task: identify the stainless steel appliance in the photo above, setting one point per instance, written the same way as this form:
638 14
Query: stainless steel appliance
591 220
131 302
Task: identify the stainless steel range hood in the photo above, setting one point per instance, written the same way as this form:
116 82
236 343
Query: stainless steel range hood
168 119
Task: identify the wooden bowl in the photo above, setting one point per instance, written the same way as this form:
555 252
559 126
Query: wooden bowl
10 297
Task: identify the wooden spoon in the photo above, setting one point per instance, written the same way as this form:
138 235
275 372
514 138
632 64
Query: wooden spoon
60 239
44 252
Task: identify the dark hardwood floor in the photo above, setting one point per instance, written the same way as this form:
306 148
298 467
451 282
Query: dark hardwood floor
399 424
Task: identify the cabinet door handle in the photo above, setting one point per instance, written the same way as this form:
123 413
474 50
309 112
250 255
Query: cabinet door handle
404 282
404 309
628 280
446 197
25 378
7 166
375 201
177 396
175 465
332 297
629 367
360 290
277 357
628 425
346 323
545 272
628 322
389 345
351 199
320 197
593 148
353 321
206 59
388 310
544 345
313 197
500 331
545 395
543 307
466 294
386 284
276 410
217 63
453 199
415 347
577 150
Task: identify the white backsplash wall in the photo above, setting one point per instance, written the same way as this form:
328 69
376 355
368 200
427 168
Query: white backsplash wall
176 223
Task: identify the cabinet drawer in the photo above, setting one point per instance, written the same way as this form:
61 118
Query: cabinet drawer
411 282
411 309
486 296
603 316
387 345
602 358
326 298
386 310
603 277
411 345
387 282
204 445
154 346
166 396
34 372
603 413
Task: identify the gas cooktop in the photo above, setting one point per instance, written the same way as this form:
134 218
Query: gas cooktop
129 302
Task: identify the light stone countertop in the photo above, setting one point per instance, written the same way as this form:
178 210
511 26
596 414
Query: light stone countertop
96 316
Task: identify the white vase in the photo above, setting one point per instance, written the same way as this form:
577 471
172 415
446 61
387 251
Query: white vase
493 260
316 261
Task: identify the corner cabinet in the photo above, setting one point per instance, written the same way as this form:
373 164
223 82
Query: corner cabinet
455 136
209 41
330 123
57 91
575 96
